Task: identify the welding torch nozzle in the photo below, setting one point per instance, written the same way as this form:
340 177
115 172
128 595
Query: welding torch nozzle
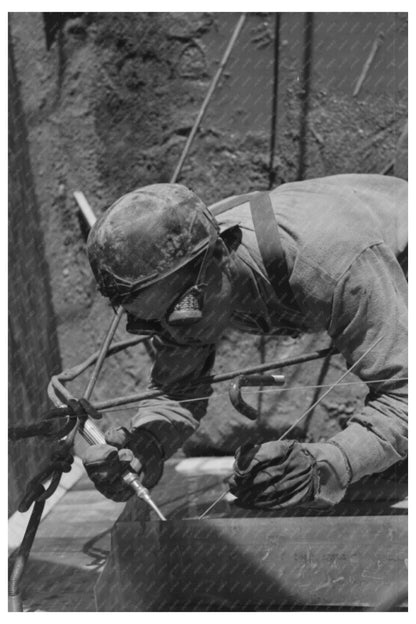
132 480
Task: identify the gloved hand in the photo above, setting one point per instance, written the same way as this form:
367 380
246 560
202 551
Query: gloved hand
105 463
274 475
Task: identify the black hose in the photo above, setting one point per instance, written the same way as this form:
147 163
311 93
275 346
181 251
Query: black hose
15 600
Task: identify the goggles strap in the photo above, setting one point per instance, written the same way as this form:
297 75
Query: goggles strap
188 308
208 253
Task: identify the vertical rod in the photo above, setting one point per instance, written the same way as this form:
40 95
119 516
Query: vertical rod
274 99
90 218
305 93
376 44
273 134
86 210
103 352
208 96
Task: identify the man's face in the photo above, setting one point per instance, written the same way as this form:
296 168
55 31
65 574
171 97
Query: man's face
154 302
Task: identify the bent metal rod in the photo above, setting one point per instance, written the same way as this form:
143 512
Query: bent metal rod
56 387
301 417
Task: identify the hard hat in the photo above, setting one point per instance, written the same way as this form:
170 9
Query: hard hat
146 235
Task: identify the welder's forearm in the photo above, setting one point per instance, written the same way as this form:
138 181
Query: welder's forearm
173 417
376 438
370 303
169 421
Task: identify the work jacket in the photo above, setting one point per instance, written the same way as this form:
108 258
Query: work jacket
341 236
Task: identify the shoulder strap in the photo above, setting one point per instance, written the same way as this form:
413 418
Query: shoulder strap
268 239
270 246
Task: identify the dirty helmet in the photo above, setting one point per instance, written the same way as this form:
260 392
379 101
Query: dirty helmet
147 235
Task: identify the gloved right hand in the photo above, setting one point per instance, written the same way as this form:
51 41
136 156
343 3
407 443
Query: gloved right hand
105 463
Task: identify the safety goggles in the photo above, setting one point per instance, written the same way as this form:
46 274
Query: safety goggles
120 290
186 309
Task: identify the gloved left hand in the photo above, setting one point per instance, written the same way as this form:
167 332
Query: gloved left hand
274 475
105 463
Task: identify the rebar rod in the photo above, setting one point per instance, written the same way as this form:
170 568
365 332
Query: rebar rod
208 96
85 208
71 373
376 44
273 134
275 100
305 93
211 379
305 413
103 352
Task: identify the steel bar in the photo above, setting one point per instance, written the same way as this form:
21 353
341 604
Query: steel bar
251 380
103 352
368 63
275 100
273 133
208 96
211 379
90 218
71 373
306 89
86 210
305 413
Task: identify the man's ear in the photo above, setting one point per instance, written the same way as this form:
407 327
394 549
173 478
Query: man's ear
232 238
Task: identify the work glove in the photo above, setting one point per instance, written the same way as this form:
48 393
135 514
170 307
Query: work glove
274 475
105 463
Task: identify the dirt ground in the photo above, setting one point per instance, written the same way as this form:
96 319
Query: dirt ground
108 108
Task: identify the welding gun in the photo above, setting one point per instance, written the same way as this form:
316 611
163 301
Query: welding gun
92 434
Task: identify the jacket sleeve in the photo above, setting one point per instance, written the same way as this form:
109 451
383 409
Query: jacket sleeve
370 304
174 416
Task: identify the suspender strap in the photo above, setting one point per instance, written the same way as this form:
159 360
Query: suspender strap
268 239
270 246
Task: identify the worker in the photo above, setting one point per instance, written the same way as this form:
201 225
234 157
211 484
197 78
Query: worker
320 254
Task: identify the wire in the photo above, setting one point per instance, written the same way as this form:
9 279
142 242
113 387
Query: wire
268 390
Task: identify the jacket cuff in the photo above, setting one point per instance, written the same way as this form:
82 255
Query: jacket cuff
334 472
170 435
367 452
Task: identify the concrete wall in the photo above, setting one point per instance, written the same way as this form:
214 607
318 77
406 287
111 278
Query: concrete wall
33 345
